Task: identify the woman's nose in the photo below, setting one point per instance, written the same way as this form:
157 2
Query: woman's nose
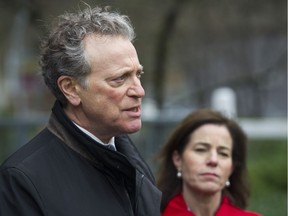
212 159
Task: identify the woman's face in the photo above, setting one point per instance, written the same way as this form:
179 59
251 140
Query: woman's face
206 162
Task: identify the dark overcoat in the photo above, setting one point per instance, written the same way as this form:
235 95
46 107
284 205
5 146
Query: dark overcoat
63 172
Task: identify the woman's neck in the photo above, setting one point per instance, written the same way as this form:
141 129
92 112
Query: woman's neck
202 204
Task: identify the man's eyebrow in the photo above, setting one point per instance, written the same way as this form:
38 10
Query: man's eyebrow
141 68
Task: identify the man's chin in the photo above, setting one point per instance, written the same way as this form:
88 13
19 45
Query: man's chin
133 128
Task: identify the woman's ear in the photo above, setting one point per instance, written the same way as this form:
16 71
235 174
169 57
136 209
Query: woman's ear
68 87
176 158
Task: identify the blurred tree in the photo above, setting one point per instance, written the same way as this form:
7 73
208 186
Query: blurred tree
162 49
188 48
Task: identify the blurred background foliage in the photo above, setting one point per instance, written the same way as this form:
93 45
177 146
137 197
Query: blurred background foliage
189 49
268 176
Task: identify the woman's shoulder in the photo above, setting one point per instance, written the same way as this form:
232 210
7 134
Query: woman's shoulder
227 208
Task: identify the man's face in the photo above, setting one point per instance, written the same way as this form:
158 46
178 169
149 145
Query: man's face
111 102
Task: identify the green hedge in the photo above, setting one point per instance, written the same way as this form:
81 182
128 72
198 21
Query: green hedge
267 163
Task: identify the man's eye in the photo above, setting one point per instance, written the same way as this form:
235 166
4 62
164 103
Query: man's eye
139 74
118 81
121 78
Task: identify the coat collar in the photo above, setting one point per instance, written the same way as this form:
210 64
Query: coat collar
125 160
72 136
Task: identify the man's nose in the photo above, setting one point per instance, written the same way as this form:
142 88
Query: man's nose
136 89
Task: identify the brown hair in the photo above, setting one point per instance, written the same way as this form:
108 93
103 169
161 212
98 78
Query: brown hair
170 185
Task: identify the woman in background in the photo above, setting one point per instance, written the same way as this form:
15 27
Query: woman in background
203 168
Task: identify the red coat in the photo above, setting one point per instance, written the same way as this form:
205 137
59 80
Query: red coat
177 207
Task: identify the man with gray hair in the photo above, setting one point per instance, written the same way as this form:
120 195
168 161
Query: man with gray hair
83 162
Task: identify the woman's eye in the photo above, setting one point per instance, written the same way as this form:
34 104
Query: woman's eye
224 154
200 150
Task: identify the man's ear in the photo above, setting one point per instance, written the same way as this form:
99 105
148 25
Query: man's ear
68 86
176 158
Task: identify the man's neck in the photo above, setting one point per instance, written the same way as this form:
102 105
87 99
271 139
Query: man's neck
111 141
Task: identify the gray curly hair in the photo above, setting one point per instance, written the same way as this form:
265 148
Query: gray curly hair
63 50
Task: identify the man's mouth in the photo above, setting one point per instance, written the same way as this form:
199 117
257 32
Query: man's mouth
136 111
